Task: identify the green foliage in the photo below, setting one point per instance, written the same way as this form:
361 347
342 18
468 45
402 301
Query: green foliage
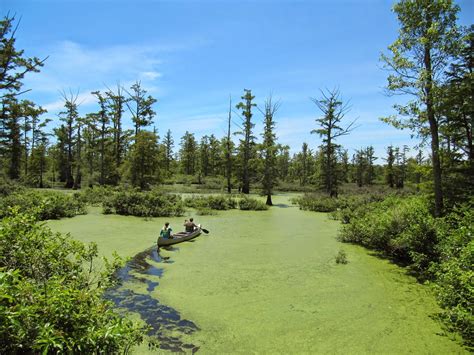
247 144
214 202
8 187
96 195
455 274
341 257
50 297
204 211
317 202
252 204
438 249
402 228
143 160
44 204
144 204
342 206
224 202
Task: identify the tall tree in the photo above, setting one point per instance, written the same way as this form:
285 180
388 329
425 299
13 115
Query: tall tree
168 144
426 42
103 120
13 64
39 162
70 118
248 142
269 150
389 169
11 134
140 106
334 111
457 100
116 102
228 150
143 160
204 155
188 153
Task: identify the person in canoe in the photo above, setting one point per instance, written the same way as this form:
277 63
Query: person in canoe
166 231
190 226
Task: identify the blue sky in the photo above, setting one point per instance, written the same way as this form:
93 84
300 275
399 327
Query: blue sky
190 55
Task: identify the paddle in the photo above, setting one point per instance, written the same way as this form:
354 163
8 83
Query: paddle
205 230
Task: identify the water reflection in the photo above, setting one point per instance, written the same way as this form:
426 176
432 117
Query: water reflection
163 320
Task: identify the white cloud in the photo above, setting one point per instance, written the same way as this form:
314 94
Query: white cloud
151 75
83 99
72 66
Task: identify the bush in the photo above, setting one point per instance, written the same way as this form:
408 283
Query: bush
341 257
96 195
252 204
203 211
403 228
438 249
51 300
144 204
454 274
46 204
341 207
214 202
7 187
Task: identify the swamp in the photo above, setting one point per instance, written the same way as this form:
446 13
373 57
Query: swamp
263 281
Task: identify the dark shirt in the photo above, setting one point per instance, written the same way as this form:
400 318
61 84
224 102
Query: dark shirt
190 226
166 233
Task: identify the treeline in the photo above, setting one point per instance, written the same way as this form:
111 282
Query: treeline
95 149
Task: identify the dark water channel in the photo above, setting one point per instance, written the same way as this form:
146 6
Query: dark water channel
162 320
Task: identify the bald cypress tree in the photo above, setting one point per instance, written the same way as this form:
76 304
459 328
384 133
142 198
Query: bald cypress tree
247 144
269 150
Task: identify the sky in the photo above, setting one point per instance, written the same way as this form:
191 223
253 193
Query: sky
193 55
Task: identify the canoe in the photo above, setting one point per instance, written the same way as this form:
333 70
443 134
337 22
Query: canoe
179 237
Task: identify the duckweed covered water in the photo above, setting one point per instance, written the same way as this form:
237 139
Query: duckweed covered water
266 282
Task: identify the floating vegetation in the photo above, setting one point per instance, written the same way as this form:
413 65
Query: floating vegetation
161 319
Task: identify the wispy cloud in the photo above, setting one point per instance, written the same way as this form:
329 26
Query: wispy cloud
74 66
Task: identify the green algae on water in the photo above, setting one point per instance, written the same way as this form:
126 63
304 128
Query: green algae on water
266 281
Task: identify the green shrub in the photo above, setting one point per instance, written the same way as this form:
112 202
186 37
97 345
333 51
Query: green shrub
7 187
341 257
51 300
203 211
46 204
455 274
455 292
214 202
341 207
316 203
96 195
402 228
144 204
438 249
252 204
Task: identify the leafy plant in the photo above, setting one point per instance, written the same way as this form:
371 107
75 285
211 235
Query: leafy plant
45 204
50 296
252 204
144 204
341 257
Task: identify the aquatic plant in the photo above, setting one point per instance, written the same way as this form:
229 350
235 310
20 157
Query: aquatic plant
341 257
